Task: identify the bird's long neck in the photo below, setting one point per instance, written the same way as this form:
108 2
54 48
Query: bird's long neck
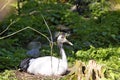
62 52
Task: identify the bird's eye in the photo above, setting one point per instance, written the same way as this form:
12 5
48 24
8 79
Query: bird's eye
62 37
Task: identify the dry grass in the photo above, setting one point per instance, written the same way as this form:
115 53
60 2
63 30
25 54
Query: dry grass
91 71
27 76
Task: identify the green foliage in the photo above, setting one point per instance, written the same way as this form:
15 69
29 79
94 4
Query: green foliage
99 33
11 59
99 8
57 13
107 56
99 54
7 75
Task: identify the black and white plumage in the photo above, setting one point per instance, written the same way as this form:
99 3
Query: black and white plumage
24 64
49 65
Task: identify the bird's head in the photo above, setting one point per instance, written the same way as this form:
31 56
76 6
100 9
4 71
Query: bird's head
62 39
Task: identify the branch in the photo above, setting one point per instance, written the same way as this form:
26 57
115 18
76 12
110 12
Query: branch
51 42
48 28
25 29
8 26
40 33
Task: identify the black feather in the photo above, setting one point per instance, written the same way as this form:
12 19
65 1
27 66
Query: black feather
24 64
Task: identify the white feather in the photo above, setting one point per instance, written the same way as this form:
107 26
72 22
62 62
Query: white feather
50 65
47 66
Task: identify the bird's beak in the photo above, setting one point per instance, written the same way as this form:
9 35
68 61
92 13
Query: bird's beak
69 43
19 69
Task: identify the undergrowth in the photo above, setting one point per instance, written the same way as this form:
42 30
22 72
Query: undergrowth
97 39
